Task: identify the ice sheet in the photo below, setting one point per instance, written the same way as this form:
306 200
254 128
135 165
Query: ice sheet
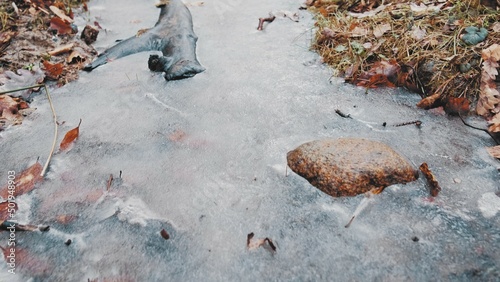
204 158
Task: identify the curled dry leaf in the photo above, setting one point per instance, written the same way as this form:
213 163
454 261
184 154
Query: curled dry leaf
430 102
69 138
494 151
254 244
431 179
60 14
61 49
12 111
24 182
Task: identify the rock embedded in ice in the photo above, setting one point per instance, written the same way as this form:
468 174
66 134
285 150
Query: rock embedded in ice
350 166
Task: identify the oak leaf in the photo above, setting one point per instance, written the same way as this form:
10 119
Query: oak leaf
494 123
53 70
489 96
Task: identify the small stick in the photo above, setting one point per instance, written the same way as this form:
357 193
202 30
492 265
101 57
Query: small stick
415 122
55 132
482 129
110 181
362 205
340 113
262 20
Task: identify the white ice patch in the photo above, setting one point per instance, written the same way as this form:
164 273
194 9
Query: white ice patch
489 204
135 211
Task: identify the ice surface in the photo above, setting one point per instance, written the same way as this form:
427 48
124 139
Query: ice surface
204 158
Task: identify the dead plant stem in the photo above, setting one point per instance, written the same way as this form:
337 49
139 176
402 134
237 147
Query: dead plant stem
53 115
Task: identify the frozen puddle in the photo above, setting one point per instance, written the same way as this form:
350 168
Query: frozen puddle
204 158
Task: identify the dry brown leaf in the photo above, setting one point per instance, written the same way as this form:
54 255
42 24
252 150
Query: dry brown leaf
456 106
177 136
69 138
60 14
7 210
53 70
430 102
494 151
431 179
489 96
75 56
28 262
494 123
60 26
491 53
23 182
66 218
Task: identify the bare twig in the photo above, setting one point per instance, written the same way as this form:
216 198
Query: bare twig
55 132
263 20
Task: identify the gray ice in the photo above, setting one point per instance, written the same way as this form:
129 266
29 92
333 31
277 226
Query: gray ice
205 159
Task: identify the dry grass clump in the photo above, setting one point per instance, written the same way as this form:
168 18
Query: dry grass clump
421 46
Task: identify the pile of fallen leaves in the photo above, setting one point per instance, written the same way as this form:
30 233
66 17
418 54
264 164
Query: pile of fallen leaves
41 34
447 51
39 43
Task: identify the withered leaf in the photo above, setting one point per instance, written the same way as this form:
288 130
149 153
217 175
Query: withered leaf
66 218
381 29
60 26
489 96
376 80
456 106
7 210
69 138
24 182
494 151
430 102
60 14
494 123
431 179
254 244
53 70
30 263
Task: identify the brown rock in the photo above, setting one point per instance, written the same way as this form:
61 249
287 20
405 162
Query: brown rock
350 166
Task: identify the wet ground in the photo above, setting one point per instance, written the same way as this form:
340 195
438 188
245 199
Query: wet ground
205 159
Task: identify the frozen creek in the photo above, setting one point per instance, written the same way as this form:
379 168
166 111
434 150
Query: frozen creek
204 158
